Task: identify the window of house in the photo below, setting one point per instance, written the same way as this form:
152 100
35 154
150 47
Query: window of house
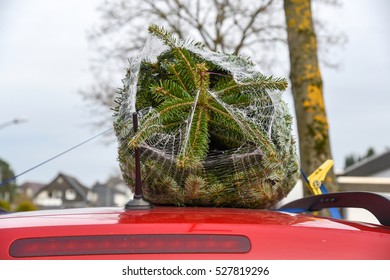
70 194
91 196
54 194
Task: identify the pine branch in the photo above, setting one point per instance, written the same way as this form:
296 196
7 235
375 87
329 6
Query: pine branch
196 150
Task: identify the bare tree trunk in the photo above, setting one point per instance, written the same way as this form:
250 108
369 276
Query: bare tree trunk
307 88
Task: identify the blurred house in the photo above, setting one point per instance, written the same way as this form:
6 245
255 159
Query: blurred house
375 166
111 194
371 174
29 189
65 191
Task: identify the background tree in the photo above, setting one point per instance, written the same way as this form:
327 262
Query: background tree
244 27
307 89
352 159
253 28
8 190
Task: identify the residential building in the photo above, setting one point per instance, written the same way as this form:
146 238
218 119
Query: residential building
29 189
64 192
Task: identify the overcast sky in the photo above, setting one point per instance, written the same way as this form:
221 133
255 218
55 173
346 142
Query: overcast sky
44 62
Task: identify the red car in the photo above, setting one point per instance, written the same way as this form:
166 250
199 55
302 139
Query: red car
199 233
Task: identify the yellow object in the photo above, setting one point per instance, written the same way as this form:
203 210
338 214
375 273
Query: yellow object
317 177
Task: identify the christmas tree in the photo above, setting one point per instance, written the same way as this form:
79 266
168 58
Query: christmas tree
213 130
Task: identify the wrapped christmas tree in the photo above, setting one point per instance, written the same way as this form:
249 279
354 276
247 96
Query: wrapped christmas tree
213 130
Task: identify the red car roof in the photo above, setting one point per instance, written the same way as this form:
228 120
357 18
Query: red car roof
187 233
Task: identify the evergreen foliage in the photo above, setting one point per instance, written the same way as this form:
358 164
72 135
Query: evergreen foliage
8 190
352 159
213 131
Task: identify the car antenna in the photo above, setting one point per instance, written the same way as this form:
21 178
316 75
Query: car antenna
138 202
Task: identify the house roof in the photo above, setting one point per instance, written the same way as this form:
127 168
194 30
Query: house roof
80 188
369 166
73 182
35 187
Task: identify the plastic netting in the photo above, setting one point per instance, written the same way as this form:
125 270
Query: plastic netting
213 130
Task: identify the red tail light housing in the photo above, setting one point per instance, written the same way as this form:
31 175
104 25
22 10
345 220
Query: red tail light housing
129 244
